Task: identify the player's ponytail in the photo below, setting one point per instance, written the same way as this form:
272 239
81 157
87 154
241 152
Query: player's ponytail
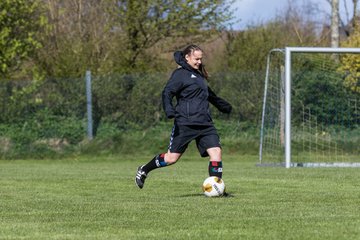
204 72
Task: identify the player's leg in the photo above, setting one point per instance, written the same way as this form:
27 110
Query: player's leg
159 161
208 144
215 153
177 146
215 162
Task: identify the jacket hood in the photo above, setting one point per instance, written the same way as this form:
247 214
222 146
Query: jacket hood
180 60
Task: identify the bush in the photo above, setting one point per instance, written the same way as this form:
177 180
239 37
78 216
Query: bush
41 136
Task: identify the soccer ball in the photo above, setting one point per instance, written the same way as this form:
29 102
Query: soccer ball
213 187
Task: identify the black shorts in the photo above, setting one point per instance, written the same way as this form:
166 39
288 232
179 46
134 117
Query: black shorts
205 136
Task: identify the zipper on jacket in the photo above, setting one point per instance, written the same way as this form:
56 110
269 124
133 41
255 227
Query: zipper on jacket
188 109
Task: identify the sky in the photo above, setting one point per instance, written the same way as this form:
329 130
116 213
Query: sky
256 11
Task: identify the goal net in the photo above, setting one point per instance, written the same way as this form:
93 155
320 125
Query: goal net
311 108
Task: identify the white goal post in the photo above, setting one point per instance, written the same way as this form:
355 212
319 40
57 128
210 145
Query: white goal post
286 76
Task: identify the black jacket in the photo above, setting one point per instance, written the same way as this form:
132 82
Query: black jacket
192 95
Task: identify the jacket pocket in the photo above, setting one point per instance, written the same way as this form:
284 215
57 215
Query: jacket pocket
182 109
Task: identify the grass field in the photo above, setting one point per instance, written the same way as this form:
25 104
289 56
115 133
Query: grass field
96 198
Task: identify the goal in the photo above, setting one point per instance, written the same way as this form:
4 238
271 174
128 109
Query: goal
311 108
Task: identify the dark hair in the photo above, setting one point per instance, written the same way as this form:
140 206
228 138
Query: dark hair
188 51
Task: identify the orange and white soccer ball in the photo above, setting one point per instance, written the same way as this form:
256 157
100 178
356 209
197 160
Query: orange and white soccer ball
213 187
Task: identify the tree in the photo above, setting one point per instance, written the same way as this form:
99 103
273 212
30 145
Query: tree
167 24
20 22
247 50
124 36
350 63
335 23
79 38
354 17
246 54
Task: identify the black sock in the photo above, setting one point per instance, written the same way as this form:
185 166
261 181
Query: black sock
157 162
215 169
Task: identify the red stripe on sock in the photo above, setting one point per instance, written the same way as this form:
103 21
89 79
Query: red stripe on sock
214 163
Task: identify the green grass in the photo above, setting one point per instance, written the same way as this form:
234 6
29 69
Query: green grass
96 198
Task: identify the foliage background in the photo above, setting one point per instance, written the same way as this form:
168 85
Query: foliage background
46 46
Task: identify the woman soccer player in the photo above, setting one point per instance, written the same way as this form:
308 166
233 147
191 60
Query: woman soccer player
192 119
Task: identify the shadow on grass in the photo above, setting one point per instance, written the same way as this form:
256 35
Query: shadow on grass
226 195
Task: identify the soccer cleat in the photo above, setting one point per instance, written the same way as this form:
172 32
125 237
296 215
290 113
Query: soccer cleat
140 177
